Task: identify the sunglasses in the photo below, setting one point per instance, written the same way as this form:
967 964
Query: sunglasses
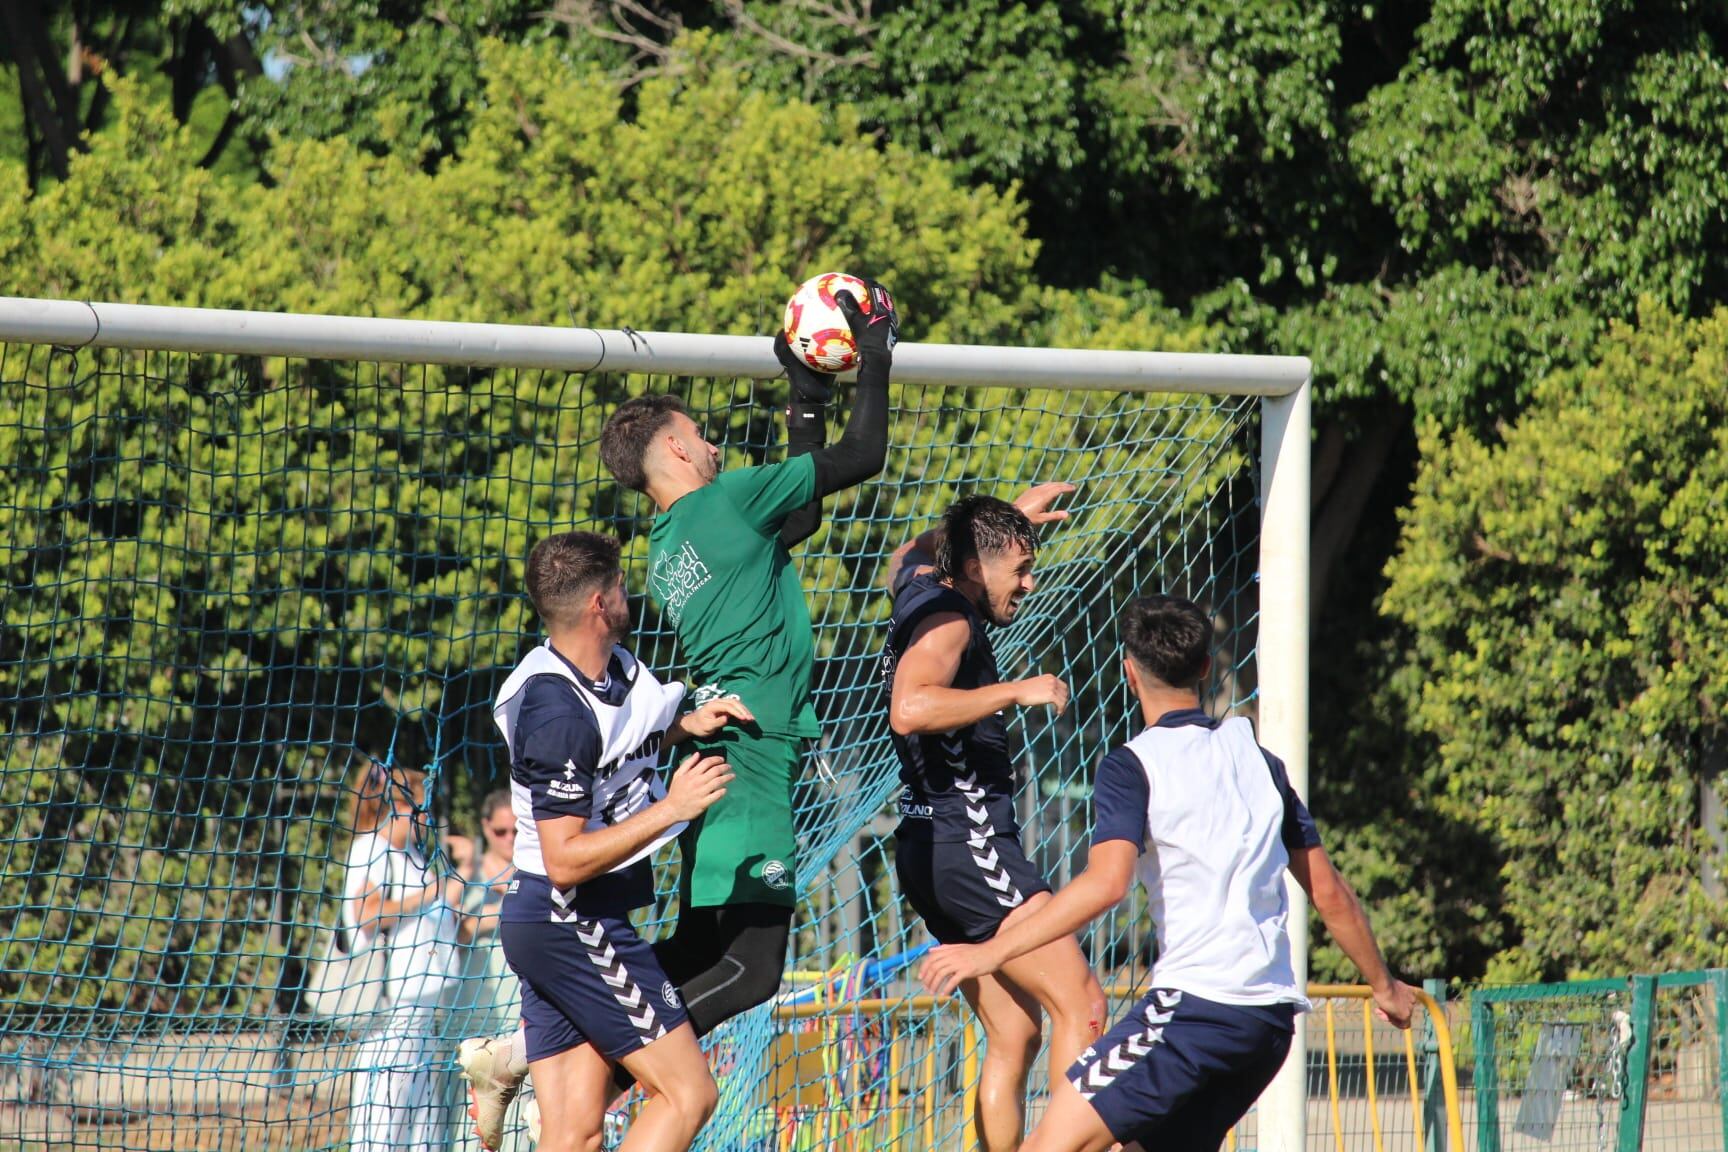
507 830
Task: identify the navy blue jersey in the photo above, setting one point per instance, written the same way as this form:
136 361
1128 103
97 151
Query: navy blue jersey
958 785
560 765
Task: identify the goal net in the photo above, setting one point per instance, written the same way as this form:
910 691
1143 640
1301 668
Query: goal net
246 573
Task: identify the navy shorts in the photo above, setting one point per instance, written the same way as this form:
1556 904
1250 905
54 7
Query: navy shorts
963 892
1178 1071
589 981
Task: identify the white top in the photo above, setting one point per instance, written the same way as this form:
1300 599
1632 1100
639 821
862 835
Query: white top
599 747
1215 820
420 948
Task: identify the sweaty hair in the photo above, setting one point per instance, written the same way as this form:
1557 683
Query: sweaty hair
625 439
1168 637
564 569
974 525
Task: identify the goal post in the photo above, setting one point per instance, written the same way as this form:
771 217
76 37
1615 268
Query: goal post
314 572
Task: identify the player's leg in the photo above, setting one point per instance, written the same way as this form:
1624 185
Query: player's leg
724 961
751 940
1174 1073
1058 978
1069 1124
573 1086
1011 1035
679 1089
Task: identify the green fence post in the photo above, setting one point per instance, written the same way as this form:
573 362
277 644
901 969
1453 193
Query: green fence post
1719 990
1486 1077
1638 1064
1433 1087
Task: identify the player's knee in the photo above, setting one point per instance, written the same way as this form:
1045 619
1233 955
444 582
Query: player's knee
693 1098
1014 1041
582 1134
1085 1011
758 983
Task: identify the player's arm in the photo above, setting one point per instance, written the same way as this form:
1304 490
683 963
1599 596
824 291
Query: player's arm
701 723
1120 802
1109 872
1344 918
863 447
923 699
1336 901
574 855
915 557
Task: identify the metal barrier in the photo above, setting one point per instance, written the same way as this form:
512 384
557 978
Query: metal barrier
899 1097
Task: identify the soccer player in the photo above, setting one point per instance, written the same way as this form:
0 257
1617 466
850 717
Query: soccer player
957 848
584 722
1211 823
720 569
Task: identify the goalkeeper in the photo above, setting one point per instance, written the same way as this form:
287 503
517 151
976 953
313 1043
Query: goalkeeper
720 570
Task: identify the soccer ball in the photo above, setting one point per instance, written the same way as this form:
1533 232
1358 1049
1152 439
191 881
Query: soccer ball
815 327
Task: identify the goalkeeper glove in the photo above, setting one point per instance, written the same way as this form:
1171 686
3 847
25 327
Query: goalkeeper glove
808 385
874 323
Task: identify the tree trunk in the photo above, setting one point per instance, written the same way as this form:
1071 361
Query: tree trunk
20 31
1347 468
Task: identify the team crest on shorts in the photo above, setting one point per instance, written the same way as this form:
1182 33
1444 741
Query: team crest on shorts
774 874
669 994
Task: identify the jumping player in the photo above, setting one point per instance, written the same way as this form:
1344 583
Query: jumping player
584 722
957 849
720 569
1210 821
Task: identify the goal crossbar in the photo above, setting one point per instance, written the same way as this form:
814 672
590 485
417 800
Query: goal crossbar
79 324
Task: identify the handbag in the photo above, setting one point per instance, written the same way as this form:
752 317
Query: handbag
347 980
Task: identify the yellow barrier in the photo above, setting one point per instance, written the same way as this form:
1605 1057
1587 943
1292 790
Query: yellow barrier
1442 1042
815 1092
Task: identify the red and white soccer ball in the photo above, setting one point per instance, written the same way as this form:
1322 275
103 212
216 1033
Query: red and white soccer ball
815 327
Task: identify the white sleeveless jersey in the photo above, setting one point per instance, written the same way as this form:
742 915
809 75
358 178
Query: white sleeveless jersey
1213 864
631 718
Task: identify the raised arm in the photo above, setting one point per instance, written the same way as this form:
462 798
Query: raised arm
863 446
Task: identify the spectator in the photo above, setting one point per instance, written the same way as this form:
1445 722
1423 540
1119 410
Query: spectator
390 893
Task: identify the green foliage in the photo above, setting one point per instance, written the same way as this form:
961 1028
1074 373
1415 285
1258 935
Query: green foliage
227 573
1562 592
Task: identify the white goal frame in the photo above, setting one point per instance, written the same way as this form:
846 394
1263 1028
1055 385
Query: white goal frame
1283 383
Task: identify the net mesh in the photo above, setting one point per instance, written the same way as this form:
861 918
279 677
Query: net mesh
233 585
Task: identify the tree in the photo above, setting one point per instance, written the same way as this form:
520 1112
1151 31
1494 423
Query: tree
1562 589
224 574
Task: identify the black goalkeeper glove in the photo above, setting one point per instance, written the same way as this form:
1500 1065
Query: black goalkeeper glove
875 330
808 385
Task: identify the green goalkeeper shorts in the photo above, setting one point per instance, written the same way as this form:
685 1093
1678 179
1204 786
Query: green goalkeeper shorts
743 850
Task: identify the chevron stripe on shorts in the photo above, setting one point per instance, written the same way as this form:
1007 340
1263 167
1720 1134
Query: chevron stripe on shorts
1102 1071
638 1009
984 855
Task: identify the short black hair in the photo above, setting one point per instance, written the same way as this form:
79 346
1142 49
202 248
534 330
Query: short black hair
1169 638
625 439
564 569
977 524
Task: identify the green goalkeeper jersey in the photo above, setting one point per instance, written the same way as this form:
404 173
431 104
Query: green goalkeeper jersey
727 586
